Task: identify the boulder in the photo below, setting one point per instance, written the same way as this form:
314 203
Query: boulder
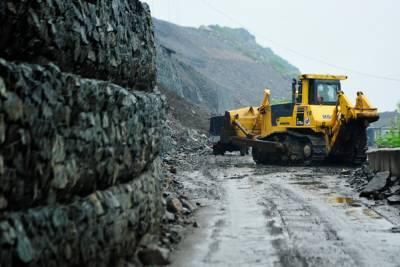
154 256
377 184
174 205
186 204
394 199
394 189
172 170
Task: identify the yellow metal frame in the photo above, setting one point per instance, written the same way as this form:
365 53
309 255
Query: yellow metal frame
322 77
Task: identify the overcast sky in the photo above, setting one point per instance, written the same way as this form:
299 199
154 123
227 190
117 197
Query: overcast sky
359 36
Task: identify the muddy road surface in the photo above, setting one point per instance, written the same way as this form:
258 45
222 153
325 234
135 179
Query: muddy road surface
284 216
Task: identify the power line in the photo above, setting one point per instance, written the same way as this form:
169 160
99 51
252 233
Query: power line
299 53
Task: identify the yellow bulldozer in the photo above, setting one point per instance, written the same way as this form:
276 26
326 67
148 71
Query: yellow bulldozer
319 124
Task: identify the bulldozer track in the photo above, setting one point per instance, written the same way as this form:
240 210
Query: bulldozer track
293 153
319 152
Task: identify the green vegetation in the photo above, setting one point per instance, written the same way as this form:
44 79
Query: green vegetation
246 44
392 139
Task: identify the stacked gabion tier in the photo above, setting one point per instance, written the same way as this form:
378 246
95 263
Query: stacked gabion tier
102 39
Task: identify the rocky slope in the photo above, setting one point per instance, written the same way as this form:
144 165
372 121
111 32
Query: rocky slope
189 115
387 119
217 67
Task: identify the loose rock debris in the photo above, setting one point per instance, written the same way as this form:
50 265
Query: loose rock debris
376 186
183 151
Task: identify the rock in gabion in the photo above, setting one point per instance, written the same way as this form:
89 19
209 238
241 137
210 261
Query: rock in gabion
61 135
106 40
98 230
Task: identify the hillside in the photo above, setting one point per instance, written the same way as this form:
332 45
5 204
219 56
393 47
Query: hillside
387 119
218 67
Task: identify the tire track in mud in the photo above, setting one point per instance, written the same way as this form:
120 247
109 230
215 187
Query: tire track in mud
303 236
215 235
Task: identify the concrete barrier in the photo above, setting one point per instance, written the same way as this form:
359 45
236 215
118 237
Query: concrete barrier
385 159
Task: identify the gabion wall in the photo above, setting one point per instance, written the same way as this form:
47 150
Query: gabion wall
80 130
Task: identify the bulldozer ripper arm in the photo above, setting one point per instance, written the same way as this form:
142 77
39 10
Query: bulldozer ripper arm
245 132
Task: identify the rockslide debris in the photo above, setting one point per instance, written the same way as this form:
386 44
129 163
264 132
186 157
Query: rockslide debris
378 186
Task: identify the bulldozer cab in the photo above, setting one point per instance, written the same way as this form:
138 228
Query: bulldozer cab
313 89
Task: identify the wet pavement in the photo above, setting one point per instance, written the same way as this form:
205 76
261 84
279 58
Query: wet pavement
284 216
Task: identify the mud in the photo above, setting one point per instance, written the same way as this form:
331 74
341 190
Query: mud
284 216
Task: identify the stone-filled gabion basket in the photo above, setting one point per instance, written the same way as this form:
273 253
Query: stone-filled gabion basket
62 135
101 229
102 39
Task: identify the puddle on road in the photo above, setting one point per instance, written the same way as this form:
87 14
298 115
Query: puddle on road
344 200
341 200
366 211
372 214
349 201
354 206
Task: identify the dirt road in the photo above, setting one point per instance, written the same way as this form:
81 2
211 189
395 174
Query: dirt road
285 216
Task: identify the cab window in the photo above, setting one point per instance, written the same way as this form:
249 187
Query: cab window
324 92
